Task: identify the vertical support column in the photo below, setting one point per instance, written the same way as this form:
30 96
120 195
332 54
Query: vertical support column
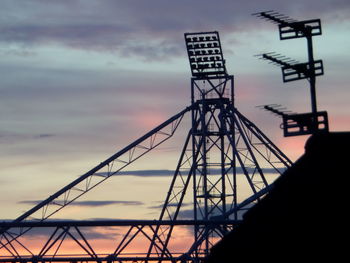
232 130
312 79
312 76
194 162
212 182
204 169
223 167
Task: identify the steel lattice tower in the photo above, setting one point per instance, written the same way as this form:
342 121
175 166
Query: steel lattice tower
223 150
223 142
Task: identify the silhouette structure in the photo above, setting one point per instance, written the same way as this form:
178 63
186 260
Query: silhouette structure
303 216
221 171
222 150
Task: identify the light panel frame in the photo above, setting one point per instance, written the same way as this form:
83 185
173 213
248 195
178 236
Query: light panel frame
205 54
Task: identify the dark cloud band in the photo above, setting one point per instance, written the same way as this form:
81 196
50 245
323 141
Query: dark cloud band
92 203
149 30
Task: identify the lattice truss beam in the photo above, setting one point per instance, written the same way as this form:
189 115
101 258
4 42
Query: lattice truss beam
110 167
221 151
126 238
218 129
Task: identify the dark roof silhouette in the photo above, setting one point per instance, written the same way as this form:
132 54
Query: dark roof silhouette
303 217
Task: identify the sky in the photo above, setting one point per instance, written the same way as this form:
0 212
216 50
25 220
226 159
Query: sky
82 79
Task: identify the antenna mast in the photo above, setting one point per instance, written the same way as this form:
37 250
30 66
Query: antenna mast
306 123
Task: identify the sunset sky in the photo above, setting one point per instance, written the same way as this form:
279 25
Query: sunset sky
82 79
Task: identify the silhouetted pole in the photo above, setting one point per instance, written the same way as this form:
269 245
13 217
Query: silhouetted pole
312 72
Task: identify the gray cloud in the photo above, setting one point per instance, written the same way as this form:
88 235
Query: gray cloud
154 173
9 137
147 29
90 233
147 173
91 203
169 205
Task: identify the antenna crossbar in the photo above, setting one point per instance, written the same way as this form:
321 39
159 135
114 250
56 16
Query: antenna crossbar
295 71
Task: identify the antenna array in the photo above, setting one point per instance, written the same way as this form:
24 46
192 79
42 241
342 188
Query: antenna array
292 70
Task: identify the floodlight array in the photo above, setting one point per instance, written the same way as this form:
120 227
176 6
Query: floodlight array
205 54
